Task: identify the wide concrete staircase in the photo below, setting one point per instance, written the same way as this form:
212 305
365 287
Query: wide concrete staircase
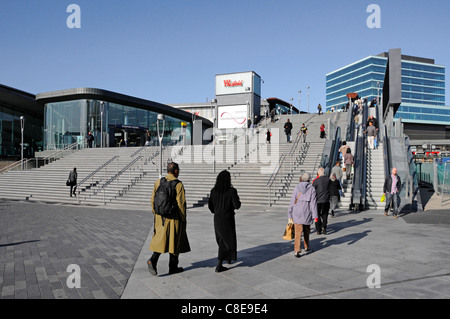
125 176
94 166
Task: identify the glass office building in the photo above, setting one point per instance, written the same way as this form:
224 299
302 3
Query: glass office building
423 86
15 104
114 119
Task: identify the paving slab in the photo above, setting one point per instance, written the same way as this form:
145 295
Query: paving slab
407 256
39 241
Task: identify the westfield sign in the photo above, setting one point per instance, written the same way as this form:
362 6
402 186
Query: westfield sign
229 83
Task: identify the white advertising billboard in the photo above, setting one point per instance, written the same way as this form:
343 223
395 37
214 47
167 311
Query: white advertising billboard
234 116
234 83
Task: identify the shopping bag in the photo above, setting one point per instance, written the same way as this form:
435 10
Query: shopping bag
383 198
289 232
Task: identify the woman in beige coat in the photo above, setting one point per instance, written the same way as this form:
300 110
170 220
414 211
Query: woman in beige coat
169 235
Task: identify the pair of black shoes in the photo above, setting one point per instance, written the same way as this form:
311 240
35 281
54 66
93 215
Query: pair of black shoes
221 268
323 231
152 268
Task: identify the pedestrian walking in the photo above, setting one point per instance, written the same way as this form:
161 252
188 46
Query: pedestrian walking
322 186
335 193
169 209
287 130
337 170
72 181
272 116
391 189
374 123
348 161
302 212
303 132
90 139
371 132
319 109
356 119
148 138
343 149
223 201
322 131
268 136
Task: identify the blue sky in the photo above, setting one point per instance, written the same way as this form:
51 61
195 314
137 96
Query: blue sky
169 51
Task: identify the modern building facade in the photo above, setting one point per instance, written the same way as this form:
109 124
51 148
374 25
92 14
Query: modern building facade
19 108
423 87
113 119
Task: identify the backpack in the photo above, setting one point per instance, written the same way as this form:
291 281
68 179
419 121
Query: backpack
164 202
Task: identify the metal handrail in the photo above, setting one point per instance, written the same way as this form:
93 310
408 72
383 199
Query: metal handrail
364 175
274 176
117 175
25 161
291 154
386 153
13 165
92 174
123 170
66 148
443 183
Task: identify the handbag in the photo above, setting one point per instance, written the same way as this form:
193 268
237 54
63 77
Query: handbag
383 198
289 232
68 183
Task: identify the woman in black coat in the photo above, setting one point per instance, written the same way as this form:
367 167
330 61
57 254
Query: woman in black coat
223 200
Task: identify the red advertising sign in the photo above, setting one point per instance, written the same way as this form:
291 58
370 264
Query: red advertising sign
229 83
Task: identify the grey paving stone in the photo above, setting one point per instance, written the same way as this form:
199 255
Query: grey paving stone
51 237
111 248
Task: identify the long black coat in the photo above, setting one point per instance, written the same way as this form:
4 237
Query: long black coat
222 205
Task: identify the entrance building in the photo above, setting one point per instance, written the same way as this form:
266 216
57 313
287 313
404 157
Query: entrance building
115 120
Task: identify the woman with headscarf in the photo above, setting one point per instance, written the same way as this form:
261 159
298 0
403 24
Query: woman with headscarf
223 200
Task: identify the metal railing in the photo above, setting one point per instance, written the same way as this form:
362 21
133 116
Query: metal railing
16 165
131 181
280 180
271 183
445 180
23 164
78 145
92 174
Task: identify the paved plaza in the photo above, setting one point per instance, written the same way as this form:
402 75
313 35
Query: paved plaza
38 242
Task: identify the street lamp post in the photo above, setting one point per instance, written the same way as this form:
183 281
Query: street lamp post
101 124
299 109
265 114
160 118
22 125
214 115
308 97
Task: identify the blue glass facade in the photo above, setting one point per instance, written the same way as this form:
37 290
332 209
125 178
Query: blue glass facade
66 122
423 86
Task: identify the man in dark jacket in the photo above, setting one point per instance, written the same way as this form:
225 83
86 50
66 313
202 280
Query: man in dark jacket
90 139
73 175
288 129
322 186
391 189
